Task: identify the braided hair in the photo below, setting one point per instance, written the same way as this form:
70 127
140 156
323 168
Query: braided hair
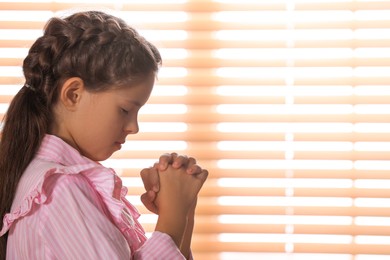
99 48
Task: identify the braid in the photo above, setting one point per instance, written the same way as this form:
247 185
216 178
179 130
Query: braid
99 48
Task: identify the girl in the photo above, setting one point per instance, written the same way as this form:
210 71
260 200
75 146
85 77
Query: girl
86 79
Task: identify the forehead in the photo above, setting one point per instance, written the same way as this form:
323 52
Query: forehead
136 92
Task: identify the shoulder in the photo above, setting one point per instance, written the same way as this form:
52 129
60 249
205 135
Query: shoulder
44 181
67 184
32 180
71 197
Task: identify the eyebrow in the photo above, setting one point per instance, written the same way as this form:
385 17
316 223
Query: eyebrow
134 102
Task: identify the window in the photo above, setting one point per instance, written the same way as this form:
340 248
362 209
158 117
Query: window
285 102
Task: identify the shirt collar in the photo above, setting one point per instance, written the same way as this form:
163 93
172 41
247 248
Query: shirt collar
56 150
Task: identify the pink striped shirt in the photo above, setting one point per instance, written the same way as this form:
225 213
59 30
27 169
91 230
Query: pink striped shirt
69 207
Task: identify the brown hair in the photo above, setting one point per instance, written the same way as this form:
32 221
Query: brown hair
100 49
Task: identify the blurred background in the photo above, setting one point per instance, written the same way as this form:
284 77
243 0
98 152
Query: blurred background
286 103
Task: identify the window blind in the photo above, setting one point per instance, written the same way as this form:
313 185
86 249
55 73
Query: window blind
286 103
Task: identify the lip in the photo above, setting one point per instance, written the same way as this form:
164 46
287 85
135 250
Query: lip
121 141
119 144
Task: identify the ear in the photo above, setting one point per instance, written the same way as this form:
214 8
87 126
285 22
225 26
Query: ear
71 92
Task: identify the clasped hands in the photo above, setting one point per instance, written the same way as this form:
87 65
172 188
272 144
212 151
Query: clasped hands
176 174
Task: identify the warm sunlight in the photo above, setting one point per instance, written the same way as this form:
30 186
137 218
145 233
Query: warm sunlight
285 102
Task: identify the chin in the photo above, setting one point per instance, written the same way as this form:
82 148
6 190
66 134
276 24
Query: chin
101 157
98 156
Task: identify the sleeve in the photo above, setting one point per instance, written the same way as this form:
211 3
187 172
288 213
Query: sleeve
75 225
159 246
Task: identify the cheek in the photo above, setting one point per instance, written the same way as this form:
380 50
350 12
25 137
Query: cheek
109 122
95 127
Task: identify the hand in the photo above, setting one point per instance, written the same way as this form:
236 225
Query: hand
178 161
151 180
176 202
179 190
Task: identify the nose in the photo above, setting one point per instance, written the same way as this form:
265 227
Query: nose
131 127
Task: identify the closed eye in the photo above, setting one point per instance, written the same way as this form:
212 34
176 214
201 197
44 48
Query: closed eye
125 111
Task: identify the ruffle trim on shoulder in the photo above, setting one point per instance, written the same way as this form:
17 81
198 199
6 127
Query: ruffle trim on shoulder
101 178
122 211
36 196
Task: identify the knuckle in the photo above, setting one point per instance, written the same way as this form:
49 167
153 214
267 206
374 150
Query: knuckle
164 156
144 172
192 160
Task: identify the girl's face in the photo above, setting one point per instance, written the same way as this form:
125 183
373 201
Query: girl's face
102 120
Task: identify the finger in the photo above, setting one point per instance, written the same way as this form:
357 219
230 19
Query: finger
194 169
155 166
149 197
165 160
180 161
144 176
148 200
203 175
150 179
191 161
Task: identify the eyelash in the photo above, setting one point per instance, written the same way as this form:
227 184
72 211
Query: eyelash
124 111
